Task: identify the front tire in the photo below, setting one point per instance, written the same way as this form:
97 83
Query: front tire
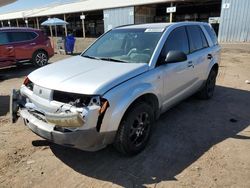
135 129
40 58
207 91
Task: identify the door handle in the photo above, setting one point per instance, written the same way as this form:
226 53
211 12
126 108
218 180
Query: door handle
33 43
190 64
209 56
9 47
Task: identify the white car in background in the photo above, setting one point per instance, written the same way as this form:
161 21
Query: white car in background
115 90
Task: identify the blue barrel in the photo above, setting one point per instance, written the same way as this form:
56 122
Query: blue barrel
70 44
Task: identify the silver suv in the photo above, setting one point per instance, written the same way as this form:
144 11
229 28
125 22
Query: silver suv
115 90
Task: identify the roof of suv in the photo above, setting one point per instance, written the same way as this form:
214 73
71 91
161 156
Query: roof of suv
18 29
156 25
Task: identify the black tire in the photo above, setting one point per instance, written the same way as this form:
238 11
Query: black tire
135 129
40 58
207 91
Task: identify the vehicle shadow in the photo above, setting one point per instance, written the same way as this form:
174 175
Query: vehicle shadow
182 135
4 105
16 72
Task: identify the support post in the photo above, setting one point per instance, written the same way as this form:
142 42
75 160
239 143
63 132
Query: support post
2 23
171 14
34 23
65 27
27 22
52 39
37 23
9 23
83 26
56 31
17 24
51 32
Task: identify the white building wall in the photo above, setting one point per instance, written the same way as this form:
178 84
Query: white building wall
235 21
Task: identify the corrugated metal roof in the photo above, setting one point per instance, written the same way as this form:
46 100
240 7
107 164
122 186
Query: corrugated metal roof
82 6
21 14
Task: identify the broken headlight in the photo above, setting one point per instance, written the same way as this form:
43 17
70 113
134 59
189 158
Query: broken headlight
28 84
78 100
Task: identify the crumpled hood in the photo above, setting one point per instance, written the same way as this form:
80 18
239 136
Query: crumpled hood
87 76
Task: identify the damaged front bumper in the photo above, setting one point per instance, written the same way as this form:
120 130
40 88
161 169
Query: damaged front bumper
71 128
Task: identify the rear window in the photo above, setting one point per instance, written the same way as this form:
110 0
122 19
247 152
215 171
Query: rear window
212 34
3 38
21 36
196 37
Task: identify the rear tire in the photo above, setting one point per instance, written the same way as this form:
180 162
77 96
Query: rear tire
40 58
207 91
135 129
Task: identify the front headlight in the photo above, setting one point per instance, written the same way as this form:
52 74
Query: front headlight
28 83
80 100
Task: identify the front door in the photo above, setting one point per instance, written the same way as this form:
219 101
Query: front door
178 77
7 51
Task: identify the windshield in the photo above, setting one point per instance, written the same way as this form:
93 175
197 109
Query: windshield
125 45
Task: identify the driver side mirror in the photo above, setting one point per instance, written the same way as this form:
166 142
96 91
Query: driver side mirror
175 56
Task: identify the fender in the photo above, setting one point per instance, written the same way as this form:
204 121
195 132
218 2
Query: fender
121 97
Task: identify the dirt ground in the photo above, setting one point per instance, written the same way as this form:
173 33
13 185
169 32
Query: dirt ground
195 144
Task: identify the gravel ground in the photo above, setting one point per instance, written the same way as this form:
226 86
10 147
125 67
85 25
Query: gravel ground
195 144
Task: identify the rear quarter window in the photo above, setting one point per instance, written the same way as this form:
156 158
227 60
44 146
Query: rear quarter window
212 34
32 35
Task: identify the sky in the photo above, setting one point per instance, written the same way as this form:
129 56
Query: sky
28 4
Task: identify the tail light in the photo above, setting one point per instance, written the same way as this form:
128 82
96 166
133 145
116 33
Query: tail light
28 83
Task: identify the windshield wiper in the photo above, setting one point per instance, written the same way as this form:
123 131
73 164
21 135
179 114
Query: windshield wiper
111 59
90 57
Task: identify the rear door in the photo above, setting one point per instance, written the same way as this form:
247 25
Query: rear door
7 54
23 43
178 77
214 49
199 55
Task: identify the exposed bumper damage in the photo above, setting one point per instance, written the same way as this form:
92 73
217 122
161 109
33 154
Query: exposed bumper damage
62 123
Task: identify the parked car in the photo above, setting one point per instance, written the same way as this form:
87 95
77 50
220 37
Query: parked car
115 90
21 45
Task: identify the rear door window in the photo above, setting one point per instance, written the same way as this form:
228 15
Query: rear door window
212 34
4 38
196 37
21 36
